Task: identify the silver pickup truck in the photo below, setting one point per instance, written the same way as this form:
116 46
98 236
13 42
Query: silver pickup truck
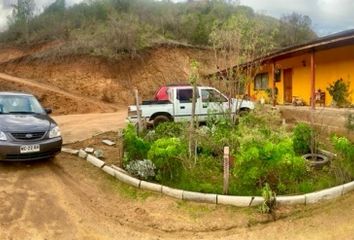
178 107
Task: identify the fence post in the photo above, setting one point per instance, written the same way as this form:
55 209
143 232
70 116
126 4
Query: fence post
226 169
140 127
120 146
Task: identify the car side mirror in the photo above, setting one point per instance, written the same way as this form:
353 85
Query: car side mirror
48 110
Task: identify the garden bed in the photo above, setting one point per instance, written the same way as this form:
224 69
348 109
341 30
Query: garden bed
263 151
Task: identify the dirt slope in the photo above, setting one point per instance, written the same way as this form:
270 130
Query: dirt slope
63 102
111 80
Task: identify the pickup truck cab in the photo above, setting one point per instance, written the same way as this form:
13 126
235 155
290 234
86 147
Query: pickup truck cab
178 107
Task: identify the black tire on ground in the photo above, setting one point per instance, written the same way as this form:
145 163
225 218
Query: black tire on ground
160 119
316 160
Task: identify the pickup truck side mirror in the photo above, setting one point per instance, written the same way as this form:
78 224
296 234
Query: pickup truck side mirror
48 110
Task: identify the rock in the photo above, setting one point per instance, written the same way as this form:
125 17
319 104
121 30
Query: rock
108 142
98 153
89 150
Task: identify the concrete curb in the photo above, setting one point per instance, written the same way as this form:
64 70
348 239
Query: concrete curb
108 170
348 187
326 194
82 154
175 193
70 151
291 200
238 201
127 179
95 161
199 197
151 186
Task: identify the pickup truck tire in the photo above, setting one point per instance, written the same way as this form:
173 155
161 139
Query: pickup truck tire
244 111
160 119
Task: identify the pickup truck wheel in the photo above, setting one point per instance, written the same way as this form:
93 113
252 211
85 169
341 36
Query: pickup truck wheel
244 111
160 119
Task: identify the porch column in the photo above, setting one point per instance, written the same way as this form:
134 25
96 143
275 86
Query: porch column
313 80
272 77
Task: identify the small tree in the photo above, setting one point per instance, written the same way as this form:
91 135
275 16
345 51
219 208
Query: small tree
237 43
193 79
339 90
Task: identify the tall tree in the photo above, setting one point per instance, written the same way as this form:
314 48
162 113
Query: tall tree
22 13
295 29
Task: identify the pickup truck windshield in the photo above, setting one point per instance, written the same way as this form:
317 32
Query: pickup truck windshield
210 95
19 104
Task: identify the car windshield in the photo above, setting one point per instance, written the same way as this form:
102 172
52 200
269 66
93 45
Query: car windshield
22 104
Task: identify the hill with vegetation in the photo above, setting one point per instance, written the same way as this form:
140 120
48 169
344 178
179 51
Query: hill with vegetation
102 49
111 28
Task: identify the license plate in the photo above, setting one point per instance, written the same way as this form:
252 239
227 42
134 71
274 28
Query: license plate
29 148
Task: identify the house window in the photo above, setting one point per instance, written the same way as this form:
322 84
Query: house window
261 81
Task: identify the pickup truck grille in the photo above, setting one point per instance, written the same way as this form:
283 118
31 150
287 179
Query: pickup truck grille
28 136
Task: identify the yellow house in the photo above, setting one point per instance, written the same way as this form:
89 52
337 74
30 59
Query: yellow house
302 73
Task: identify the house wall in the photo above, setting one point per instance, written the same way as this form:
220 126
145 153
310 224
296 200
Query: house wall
331 65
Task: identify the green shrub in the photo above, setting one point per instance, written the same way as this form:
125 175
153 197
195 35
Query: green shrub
217 134
167 154
302 135
345 160
259 162
339 90
170 129
206 176
135 147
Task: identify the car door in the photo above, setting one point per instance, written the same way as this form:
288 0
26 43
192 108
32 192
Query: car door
183 107
213 102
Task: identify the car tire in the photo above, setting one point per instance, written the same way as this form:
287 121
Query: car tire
160 119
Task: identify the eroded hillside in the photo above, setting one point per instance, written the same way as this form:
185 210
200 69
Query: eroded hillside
80 83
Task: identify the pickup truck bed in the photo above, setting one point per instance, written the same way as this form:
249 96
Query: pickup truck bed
151 102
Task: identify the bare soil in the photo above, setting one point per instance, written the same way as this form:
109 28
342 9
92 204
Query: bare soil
62 102
67 198
102 80
79 127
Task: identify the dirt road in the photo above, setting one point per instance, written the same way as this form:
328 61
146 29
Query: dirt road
82 126
69 199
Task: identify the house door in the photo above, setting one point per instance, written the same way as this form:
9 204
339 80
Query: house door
288 85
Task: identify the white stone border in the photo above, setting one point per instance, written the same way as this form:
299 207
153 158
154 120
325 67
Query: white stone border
238 201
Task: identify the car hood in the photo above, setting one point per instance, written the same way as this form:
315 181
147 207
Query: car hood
25 122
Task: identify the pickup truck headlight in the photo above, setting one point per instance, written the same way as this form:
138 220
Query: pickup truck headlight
55 132
3 136
132 113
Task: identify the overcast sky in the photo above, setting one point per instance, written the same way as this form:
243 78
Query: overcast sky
328 16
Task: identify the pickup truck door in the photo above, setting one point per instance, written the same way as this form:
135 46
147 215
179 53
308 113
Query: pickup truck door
183 104
212 102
